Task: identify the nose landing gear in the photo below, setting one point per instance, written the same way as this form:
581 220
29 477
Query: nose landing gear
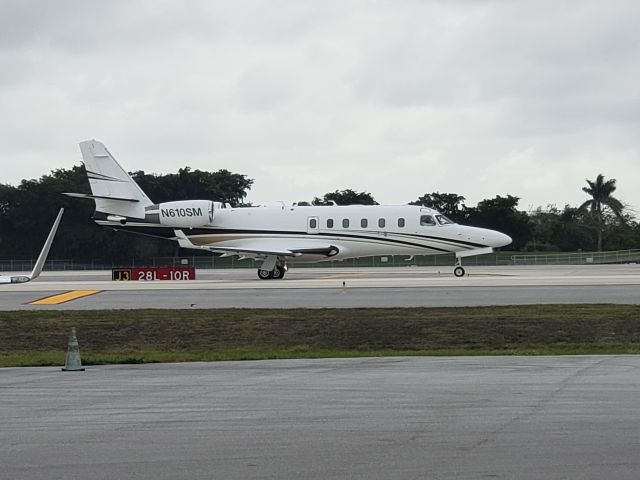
458 271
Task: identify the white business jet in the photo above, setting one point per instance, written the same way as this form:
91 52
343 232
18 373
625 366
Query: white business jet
41 259
278 235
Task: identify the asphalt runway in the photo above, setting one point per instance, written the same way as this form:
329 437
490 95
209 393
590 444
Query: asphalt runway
346 287
374 418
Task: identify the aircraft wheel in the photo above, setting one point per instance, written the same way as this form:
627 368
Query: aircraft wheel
458 272
265 274
278 273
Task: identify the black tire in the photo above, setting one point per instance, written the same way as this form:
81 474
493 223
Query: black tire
458 272
265 274
278 273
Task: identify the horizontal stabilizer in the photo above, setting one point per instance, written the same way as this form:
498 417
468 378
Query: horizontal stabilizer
86 195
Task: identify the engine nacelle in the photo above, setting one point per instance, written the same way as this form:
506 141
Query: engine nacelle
182 214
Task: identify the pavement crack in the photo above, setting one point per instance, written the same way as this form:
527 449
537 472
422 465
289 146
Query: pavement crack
534 409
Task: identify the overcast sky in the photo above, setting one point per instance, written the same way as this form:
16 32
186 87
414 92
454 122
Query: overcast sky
396 98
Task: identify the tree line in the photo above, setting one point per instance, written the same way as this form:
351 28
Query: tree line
27 212
28 209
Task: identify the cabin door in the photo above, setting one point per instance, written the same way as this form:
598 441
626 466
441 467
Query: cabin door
313 225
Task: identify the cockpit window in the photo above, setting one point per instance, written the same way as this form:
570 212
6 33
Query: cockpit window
444 220
427 220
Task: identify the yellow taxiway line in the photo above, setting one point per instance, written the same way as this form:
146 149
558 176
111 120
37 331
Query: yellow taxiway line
64 297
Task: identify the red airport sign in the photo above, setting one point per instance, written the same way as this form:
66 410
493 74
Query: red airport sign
147 274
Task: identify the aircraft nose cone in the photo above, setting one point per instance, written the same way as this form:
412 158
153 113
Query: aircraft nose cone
489 238
492 238
500 239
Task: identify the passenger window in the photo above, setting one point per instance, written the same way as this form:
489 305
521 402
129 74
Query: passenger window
401 222
313 223
427 220
364 223
330 223
381 222
345 223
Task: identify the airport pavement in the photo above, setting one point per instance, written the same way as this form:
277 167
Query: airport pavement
348 288
331 298
573 417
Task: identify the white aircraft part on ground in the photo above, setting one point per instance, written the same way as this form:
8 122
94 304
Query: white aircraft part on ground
41 259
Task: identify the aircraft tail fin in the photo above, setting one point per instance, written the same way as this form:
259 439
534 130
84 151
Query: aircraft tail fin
42 258
113 189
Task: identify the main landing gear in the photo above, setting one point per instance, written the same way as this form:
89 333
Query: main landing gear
276 274
272 269
458 271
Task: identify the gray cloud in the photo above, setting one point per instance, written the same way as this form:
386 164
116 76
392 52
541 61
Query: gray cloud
473 97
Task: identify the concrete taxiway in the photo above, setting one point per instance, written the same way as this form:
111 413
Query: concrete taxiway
384 418
324 287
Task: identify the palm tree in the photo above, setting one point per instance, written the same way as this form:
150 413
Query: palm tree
600 192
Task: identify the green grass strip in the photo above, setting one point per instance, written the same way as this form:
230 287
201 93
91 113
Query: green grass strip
142 336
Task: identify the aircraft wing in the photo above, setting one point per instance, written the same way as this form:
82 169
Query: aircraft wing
280 247
266 250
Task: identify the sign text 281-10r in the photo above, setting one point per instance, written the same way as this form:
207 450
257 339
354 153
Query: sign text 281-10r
153 273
